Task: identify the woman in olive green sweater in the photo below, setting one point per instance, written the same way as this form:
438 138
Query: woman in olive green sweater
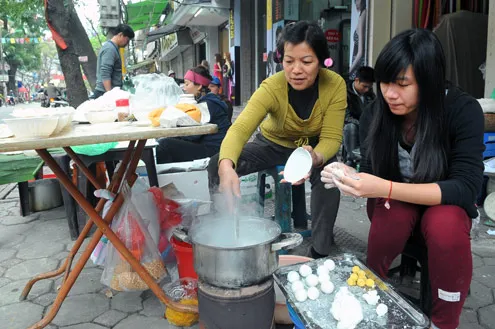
304 106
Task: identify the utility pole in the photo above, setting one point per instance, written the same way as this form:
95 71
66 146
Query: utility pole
1 63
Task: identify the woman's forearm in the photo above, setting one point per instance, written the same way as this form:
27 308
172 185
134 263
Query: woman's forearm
423 194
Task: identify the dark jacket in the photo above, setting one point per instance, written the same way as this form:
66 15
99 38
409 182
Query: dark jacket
465 123
354 104
219 116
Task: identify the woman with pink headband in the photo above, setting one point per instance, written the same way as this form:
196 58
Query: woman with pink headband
181 149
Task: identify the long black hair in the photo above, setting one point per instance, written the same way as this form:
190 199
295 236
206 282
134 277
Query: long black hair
421 50
304 31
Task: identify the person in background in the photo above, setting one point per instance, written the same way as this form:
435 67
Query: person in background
214 87
109 63
359 95
227 74
422 168
304 106
171 74
205 64
181 149
218 69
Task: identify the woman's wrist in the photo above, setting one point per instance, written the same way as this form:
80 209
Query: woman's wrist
225 164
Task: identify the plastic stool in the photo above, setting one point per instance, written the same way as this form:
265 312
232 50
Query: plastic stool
282 197
489 140
283 200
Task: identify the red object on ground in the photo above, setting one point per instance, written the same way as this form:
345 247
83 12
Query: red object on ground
184 254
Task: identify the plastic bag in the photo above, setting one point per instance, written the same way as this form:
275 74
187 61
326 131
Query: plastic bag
183 291
131 230
99 254
154 91
338 170
145 205
94 149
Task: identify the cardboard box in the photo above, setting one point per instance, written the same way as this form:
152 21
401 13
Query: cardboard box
193 184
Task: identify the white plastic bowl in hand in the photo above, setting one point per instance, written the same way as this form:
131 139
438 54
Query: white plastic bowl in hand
100 116
298 165
38 127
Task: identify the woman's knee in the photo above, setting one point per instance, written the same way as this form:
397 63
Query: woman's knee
446 227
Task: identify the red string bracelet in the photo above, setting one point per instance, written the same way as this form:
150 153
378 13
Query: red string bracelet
387 203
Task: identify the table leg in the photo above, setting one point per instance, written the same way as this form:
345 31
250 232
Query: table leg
103 228
113 187
83 167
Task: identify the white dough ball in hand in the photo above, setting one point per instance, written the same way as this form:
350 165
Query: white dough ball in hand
297 285
327 287
311 280
293 276
305 270
330 264
313 293
301 295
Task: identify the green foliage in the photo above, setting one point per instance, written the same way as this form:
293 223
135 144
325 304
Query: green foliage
97 41
23 18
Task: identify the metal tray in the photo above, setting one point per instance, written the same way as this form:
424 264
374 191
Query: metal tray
316 314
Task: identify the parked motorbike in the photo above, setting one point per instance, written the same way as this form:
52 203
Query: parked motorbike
58 102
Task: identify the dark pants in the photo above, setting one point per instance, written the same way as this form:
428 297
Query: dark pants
351 141
172 149
446 230
262 154
97 94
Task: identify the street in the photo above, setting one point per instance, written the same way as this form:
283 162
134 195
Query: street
5 111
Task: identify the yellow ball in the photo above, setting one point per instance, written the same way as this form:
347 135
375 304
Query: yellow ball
370 283
361 274
361 282
355 269
354 276
351 282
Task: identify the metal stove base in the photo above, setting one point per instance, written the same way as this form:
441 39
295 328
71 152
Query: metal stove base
246 308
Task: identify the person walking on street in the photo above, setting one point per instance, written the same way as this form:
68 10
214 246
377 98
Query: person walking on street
109 64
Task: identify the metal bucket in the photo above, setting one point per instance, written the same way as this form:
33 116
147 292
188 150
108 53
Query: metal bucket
45 194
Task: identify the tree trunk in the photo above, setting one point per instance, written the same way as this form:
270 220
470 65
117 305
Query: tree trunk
84 48
60 18
12 83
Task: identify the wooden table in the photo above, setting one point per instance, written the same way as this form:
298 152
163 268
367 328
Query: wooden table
92 134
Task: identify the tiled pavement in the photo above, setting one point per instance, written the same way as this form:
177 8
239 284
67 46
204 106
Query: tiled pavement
40 242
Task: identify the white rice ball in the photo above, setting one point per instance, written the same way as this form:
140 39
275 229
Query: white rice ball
311 280
293 276
301 295
322 269
381 309
327 287
330 264
305 270
297 285
313 293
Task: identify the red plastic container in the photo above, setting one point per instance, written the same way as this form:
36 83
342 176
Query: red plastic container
184 254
